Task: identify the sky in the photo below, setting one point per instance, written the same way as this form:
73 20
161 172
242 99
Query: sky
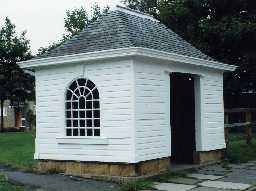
43 19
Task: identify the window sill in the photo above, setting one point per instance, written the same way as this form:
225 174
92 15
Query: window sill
82 140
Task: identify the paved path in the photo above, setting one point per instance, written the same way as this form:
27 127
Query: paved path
36 182
211 178
214 178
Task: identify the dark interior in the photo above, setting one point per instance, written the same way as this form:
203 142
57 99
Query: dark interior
182 118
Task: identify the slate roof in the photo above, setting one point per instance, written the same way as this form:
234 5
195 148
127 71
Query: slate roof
119 29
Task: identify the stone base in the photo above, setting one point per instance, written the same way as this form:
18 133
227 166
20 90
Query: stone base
207 157
103 170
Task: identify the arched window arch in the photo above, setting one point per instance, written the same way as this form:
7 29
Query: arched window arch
82 109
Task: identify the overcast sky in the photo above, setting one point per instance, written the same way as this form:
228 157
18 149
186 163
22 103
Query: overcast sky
43 19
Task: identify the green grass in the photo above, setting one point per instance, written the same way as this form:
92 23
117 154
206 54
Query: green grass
6 186
238 151
17 150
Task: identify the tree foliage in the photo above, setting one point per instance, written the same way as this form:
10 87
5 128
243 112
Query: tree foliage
76 20
223 29
14 83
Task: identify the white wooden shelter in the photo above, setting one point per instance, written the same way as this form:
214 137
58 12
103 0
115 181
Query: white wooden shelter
107 96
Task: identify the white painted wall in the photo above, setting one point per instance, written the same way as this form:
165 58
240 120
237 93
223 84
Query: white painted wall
152 129
114 82
135 110
152 108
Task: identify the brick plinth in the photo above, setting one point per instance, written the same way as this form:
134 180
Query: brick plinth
206 157
94 169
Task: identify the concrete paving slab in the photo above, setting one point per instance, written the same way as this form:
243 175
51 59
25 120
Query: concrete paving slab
213 173
241 176
57 182
245 176
225 185
204 176
181 180
214 170
250 164
173 187
209 189
252 168
237 166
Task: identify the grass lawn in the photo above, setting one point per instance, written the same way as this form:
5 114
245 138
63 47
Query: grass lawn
6 186
238 151
17 150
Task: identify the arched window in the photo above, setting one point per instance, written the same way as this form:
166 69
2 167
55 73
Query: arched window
82 109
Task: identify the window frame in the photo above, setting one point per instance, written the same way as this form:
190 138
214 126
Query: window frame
81 95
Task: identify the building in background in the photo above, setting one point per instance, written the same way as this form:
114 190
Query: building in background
15 116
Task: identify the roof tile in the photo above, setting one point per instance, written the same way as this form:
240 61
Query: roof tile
122 30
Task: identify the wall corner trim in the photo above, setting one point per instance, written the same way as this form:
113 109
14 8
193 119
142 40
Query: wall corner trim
36 156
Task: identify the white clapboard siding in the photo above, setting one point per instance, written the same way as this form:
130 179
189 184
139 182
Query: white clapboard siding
214 112
152 109
114 83
151 113
135 110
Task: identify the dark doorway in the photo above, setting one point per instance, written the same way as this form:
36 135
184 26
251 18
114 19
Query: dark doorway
182 117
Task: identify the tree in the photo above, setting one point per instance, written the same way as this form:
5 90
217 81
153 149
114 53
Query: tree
97 12
148 6
223 29
15 85
76 21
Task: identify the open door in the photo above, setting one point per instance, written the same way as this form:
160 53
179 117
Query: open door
182 118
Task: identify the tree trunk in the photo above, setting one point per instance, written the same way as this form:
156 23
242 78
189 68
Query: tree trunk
2 115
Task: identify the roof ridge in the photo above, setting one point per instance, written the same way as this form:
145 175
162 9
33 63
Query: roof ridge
135 13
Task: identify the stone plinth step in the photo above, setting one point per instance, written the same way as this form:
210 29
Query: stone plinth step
204 176
181 180
209 189
225 185
173 187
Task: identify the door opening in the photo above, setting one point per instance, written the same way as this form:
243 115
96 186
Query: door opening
182 118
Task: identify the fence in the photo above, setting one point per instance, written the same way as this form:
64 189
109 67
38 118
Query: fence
245 118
